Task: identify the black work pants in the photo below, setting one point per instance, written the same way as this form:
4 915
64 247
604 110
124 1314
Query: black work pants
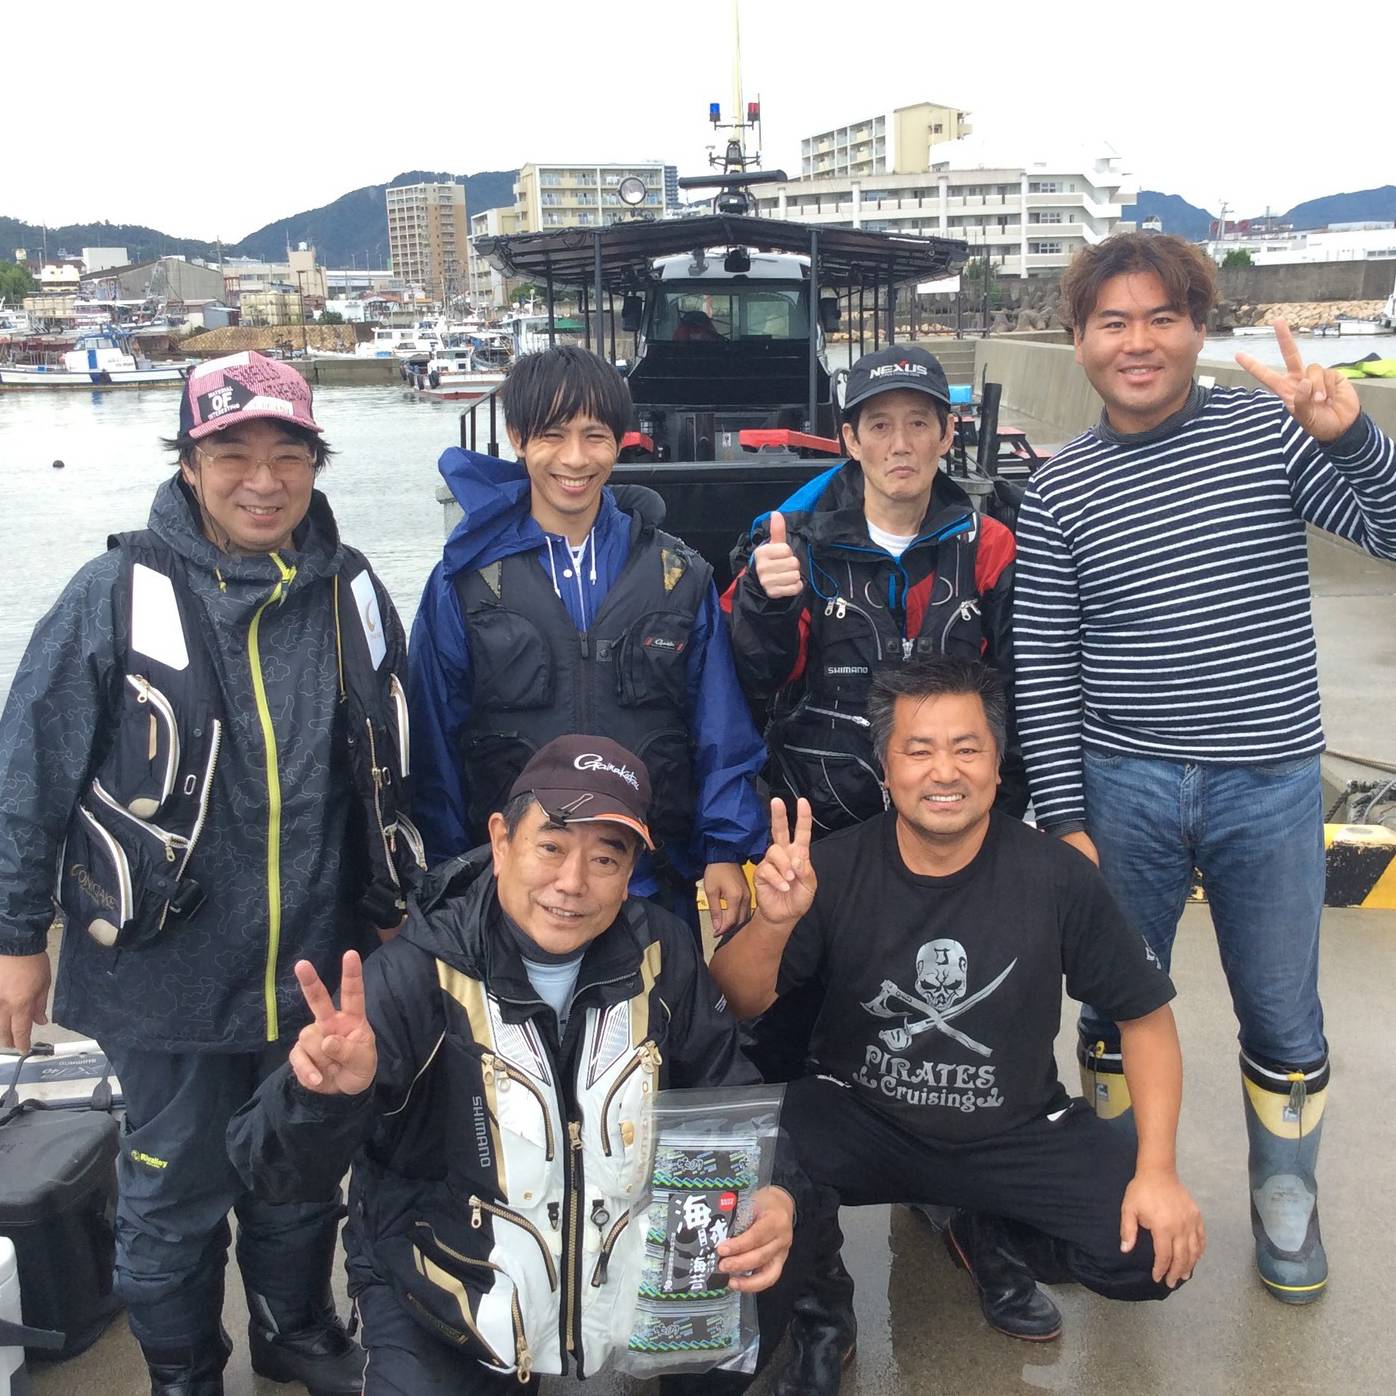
1058 1182
176 1185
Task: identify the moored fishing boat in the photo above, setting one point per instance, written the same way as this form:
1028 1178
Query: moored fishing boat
103 359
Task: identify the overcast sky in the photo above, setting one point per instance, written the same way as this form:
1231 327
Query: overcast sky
210 121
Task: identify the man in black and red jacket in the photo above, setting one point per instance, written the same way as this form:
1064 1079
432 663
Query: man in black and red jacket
871 563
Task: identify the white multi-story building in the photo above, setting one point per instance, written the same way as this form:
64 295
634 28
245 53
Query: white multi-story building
1028 216
894 142
580 195
1360 242
490 288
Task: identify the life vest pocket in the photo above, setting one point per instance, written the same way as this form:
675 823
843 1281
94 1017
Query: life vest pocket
144 764
511 665
652 663
119 874
670 766
831 764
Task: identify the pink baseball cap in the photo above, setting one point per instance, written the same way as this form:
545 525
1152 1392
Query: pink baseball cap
239 388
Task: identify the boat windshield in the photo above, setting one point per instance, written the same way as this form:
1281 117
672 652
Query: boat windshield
709 314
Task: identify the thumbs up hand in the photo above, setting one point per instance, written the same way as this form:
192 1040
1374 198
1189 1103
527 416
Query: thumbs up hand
777 567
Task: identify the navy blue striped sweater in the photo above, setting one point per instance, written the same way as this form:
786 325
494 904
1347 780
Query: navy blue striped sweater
1162 597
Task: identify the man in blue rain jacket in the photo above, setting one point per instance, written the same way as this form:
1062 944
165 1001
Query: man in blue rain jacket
561 606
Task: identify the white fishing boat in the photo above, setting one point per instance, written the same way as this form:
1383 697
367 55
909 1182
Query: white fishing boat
451 375
1349 324
100 359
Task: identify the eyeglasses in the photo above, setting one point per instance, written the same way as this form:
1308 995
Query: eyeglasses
239 463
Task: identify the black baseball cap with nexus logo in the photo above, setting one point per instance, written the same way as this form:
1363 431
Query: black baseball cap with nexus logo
897 366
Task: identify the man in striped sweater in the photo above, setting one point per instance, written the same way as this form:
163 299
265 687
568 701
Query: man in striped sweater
1168 698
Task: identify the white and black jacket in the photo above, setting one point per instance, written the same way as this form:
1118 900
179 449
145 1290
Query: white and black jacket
496 1165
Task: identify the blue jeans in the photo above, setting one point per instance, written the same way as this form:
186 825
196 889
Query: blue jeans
1255 833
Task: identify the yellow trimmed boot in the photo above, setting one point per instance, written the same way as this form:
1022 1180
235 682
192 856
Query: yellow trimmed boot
1284 1121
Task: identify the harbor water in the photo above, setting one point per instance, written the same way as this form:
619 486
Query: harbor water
381 483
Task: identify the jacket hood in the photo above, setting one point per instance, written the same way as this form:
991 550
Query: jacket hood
494 496
829 509
175 518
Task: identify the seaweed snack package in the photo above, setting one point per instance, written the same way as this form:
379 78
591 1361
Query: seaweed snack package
714 1150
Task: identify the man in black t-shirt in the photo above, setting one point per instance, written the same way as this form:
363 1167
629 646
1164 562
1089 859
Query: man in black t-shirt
938 935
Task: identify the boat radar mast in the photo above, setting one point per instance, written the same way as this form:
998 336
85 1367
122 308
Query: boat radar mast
737 175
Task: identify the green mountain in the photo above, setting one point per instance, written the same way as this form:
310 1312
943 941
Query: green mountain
345 232
1179 216
1363 206
140 242
355 226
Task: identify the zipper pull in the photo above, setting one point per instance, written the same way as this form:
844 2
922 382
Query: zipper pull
487 1068
555 1214
842 609
142 689
907 647
477 1215
169 851
829 609
574 1134
525 1362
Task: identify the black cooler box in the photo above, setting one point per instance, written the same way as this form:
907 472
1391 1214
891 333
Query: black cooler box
57 1201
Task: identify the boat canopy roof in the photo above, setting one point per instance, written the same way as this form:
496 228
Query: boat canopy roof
848 257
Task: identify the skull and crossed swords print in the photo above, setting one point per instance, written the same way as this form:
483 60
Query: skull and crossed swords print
942 978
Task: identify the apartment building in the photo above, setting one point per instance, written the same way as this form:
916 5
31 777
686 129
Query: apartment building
1029 216
427 232
488 287
895 142
576 195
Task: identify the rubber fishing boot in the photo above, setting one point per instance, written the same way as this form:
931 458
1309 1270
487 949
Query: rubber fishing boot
1103 1082
194 1369
1284 1121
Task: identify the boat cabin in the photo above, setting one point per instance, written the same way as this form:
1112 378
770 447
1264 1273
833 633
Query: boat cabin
723 325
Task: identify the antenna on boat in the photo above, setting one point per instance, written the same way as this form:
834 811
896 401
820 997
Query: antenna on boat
738 168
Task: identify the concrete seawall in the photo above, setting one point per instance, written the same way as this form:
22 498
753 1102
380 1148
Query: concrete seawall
348 372
1044 381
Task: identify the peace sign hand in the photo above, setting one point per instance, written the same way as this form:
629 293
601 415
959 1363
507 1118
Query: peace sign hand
1323 402
785 880
336 1053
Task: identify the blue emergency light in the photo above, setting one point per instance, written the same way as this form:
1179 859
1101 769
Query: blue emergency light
714 112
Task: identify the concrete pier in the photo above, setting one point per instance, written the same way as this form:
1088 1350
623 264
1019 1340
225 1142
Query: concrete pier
1044 382
920 1326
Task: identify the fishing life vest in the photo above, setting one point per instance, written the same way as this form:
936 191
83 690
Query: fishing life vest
537 677
128 870
821 743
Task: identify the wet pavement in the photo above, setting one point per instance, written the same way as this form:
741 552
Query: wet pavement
919 1325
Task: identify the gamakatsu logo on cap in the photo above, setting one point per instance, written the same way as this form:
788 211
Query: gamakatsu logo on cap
590 761
902 366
